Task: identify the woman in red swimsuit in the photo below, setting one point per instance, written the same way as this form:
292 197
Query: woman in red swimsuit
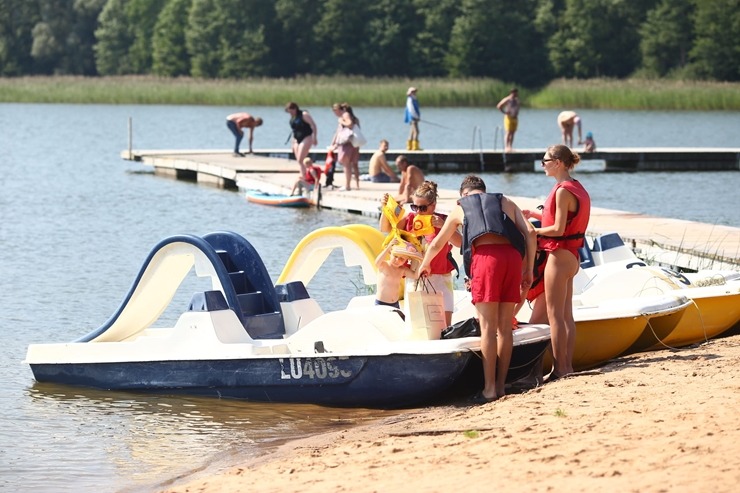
564 220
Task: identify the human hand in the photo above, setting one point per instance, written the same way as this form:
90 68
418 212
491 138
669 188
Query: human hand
527 279
437 221
384 200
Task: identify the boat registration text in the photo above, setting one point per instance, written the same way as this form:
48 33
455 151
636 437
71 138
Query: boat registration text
313 368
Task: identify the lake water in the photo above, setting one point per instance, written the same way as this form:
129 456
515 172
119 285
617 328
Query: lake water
77 222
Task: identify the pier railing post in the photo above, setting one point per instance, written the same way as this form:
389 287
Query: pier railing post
130 138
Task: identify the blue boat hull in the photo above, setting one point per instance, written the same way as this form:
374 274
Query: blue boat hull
392 381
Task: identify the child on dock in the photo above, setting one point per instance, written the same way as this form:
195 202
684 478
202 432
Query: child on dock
309 179
589 145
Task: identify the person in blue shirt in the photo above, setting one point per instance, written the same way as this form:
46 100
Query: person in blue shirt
412 117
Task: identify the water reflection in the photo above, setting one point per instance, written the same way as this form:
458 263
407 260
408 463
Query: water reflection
125 440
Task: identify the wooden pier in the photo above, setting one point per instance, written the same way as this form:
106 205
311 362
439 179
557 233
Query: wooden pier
519 161
684 244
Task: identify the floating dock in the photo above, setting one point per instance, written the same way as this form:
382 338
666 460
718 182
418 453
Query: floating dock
519 161
684 244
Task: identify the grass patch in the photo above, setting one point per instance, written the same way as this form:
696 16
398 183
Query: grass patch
643 94
307 91
560 413
471 434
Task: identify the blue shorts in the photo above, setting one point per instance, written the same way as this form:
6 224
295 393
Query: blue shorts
380 178
383 303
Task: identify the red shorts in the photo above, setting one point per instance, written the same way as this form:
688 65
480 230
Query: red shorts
497 274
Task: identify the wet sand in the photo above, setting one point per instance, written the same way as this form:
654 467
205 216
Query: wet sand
649 422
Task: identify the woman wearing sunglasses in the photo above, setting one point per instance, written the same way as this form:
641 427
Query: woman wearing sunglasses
564 220
424 202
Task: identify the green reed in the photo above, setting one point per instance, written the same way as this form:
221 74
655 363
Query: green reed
636 94
360 91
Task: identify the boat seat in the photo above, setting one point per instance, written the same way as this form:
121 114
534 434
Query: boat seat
208 301
587 259
291 291
610 248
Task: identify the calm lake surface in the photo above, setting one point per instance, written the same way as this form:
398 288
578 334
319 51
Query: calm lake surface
77 222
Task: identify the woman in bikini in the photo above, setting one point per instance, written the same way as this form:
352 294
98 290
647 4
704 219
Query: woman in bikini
564 219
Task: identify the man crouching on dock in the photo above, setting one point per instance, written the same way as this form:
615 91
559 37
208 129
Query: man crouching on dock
236 122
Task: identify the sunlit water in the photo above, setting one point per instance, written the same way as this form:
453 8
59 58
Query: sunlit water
77 222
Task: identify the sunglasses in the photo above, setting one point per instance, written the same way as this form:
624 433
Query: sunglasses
548 160
420 208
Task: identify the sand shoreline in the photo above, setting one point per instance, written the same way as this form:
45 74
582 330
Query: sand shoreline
658 421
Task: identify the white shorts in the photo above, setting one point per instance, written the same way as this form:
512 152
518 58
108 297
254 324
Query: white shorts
442 283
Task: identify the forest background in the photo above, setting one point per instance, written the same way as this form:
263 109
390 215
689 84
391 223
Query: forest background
667 54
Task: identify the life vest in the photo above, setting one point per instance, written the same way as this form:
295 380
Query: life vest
441 263
575 226
483 214
309 177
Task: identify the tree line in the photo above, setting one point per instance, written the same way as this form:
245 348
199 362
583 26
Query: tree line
528 42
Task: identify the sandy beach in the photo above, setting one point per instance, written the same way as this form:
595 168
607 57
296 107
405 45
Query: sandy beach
662 421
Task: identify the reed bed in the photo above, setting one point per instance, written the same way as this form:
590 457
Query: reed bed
379 92
636 94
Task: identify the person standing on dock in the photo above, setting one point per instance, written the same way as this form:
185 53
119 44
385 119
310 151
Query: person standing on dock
498 246
564 220
304 132
509 106
412 117
379 170
567 121
411 178
348 154
236 122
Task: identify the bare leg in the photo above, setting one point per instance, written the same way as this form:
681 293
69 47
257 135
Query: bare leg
347 175
505 346
539 310
559 271
509 140
570 323
356 170
488 317
301 153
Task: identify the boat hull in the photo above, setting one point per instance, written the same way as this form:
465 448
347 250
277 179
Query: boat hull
709 317
390 381
598 341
